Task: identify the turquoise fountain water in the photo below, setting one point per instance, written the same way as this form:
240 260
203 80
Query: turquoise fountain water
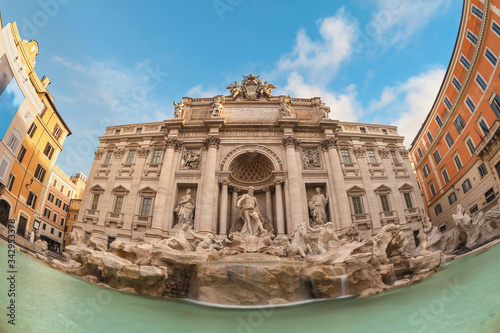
465 297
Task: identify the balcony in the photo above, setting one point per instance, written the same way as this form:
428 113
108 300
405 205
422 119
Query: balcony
489 139
152 168
362 221
349 169
412 215
91 216
115 219
127 169
388 217
142 221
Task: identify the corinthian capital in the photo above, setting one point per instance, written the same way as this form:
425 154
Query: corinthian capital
173 143
212 141
290 141
329 143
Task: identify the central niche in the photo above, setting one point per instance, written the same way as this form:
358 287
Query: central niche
251 167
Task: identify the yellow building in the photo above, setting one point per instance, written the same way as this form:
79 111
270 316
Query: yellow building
34 157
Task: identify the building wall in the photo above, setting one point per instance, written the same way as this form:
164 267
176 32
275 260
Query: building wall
248 129
471 103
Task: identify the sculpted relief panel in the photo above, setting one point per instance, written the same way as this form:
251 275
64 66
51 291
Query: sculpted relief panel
190 159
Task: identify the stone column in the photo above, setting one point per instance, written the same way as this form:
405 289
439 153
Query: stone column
342 203
223 209
208 189
234 211
159 211
296 211
280 219
269 205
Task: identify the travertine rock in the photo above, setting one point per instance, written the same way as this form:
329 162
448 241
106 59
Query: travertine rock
425 262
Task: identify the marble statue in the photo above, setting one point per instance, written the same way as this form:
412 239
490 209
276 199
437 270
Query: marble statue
326 234
190 159
236 89
217 106
249 212
352 234
185 209
179 241
285 106
266 89
205 242
179 110
300 244
325 110
317 206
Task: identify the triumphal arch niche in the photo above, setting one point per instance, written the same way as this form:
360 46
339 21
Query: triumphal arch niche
249 162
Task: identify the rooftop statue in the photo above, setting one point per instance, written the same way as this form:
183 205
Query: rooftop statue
251 88
179 110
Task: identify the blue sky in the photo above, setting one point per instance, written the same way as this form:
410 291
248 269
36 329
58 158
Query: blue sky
118 62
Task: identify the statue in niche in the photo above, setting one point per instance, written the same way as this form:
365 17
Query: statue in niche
249 212
185 209
286 106
217 106
190 159
235 89
310 159
326 234
317 208
179 110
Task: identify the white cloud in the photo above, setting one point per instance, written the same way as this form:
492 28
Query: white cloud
344 106
387 97
198 91
397 20
416 97
319 60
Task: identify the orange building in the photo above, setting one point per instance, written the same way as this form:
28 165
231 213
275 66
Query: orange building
37 151
79 180
450 150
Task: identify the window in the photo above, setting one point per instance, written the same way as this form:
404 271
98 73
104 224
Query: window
394 157
357 205
448 104
44 226
437 157
4 163
31 200
482 170
163 129
146 206
57 131
10 182
464 61
452 198
362 130
384 131
478 12
408 201
458 162
442 227
495 105
62 221
117 208
20 155
95 201
108 157
54 183
481 82
473 209
40 173
433 189
50 198
490 195
466 186
496 28
49 150
51 230
54 217
429 136
58 202
65 207
419 151
62 188
471 37
470 104
446 178
130 157
439 121
484 127
32 130
138 130
449 140
438 210
69 194
346 158
371 156
456 83
156 156
384 201
426 170
459 124
117 132
470 145
46 212
492 58
13 142
60 234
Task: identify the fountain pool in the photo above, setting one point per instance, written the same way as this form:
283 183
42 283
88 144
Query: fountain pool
464 297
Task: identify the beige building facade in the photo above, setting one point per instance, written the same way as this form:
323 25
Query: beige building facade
302 166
